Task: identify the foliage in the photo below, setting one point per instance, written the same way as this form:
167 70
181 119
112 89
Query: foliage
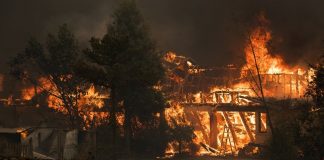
51 68
311 136
182 133
316 87
127 64
299 132
150 141
281 146
311 125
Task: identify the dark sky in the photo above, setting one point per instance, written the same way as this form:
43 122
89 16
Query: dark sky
210 31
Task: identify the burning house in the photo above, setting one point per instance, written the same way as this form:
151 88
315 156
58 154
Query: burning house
32 126
227 105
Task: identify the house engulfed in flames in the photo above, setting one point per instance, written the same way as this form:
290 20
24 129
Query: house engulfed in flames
225 105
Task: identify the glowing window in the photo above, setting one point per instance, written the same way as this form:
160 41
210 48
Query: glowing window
263 122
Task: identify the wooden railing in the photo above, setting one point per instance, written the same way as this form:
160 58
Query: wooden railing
16 150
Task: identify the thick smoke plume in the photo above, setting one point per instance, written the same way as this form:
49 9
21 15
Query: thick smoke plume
211 32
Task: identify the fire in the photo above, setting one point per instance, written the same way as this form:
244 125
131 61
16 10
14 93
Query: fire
236 95
275 67
277 78
175 113
170 57
88 104
283 80
240 127
91 97
202 135
257 44
28 93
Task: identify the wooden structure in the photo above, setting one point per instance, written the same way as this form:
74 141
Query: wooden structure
231 126
11 144
234 117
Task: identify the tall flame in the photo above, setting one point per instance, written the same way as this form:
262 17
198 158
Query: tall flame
257 54
257 45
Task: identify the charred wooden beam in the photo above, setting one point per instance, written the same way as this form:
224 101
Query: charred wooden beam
223 107
230 126
198 107
247 128
213 130
193 115
234 108
201 126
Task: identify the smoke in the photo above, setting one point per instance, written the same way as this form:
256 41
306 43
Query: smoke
1 82
211 32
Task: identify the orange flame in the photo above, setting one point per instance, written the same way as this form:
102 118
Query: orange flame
88 103
256 51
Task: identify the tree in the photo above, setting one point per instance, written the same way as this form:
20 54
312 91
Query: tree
311 125
315 88
182 133
281 146
129 66
300 133
51 69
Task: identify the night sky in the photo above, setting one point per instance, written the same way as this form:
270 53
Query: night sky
209 31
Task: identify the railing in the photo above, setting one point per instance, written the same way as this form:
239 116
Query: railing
16 150
218 97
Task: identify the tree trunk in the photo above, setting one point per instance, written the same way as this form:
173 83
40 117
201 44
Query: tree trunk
128 130
261 89
112 118
180 147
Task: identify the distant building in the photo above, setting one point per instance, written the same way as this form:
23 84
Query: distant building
11 143
56 143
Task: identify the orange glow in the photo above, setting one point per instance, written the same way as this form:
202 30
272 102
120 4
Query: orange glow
28 93
88 102
281 79
175 113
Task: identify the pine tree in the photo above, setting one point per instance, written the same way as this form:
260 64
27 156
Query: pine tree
130 67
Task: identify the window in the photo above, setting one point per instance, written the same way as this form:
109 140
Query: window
263 122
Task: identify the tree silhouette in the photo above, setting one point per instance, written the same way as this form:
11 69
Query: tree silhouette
126 62
51 69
